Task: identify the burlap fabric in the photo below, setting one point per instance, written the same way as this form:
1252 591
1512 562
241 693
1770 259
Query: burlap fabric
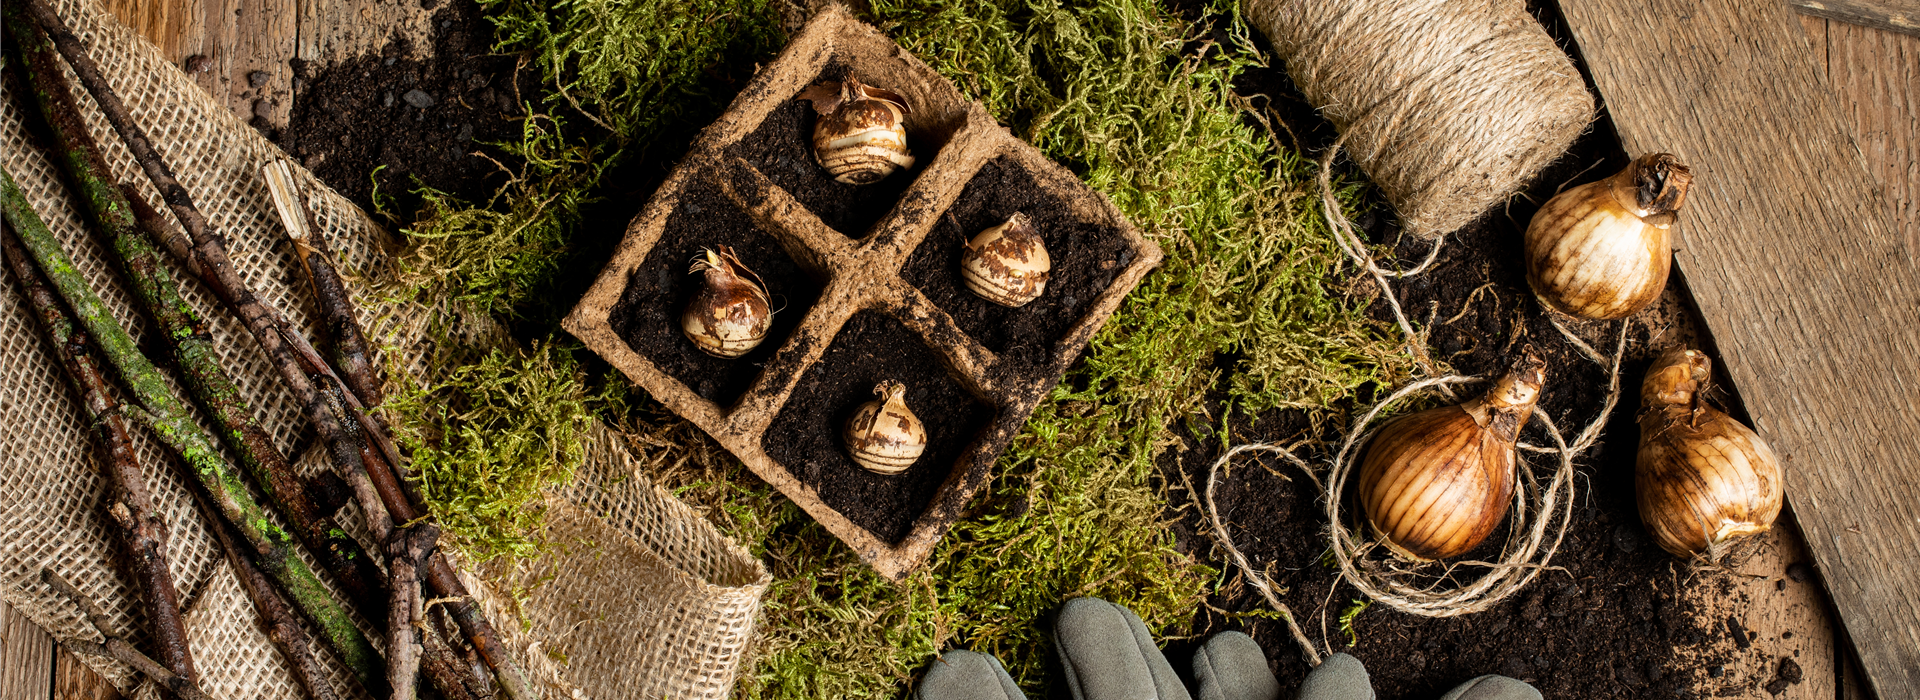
641 598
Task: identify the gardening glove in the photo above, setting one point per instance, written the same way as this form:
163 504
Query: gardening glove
1230 666
1340 677
967 675
1492 688
1108 654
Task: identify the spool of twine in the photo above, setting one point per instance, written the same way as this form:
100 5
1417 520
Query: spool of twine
1450 106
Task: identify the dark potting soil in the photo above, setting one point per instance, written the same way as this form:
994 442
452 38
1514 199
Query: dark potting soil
782 150
806 437
659 289
1086 256
408 122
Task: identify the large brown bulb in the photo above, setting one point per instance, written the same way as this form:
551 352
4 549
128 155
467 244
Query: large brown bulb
1702 480
1436 483
1603 250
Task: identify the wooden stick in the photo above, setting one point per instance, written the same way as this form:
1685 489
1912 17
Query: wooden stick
117 648
289 349
405 550
188 339
350 354
167 416
141 531
295 646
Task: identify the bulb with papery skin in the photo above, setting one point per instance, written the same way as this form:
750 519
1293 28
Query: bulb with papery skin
1007 264
1436 483
861 135
884 436
731 313
1603 250
1701 479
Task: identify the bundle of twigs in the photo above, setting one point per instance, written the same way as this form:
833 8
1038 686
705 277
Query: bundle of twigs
359 448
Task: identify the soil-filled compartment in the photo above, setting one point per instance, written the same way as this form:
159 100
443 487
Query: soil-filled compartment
781 148
1086 257
805 437
659 289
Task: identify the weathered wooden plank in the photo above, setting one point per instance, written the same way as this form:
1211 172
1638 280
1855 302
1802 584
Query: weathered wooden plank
26 657
1890 15
1875 78
73 680
1811 296
1779 617
245 45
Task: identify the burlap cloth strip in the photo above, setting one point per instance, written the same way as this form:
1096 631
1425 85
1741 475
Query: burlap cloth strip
645 598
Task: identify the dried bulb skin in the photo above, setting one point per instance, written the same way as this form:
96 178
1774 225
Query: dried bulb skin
731 313
1436 483
1007 264
861 135
883 436
1603 250
1701 479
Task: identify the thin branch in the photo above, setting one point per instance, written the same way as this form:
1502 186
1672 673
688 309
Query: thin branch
407 615
117 648
350 353
129 503
296 647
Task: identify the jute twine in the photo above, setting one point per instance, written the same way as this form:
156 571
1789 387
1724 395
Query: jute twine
1450 106
1537 525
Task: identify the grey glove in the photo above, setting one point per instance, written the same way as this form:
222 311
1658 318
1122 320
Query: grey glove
967 675
1230 666
1340 677
1492 688
1108 654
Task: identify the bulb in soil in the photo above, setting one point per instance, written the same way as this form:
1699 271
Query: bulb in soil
1602 250
1436 483
1007 264
732 312
883 436
861 135
1702 480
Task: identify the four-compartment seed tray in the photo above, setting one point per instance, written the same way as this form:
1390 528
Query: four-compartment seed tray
866 285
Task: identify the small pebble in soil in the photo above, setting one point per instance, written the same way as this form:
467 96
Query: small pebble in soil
1738 633
1716 671
1799 572
386 99
1626 538
198 63
1788 674
418 98
258 78
262 109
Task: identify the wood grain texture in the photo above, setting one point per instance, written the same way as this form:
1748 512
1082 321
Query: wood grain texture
1779 619
26 657
1890 15
1875 77
1811 295
72 680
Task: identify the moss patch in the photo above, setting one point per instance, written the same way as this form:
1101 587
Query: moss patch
1128 95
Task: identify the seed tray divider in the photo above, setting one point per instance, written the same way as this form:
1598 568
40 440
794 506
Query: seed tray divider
863 273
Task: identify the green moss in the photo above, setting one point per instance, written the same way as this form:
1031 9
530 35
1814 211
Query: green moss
1135 101
488 439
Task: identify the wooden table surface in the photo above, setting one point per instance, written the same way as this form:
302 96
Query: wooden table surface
1873 74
